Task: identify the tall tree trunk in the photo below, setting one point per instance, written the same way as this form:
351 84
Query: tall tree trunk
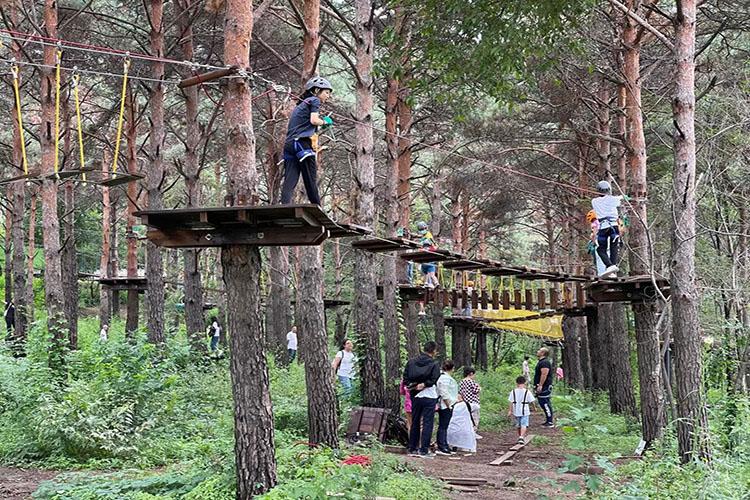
621 395
105 265
365 310
692 420
461 346
53 286
647 338
17 194
480 353
598 330
409 310
391 328
194 320
253 414
69 254
154 176
131 321
114 258
322 410
8 250
338 280
585 344
31 253
572 327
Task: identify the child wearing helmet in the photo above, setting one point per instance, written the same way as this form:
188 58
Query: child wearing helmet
299 154
608 234
428 269
593 222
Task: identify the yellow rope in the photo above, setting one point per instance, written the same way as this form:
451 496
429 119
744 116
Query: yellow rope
57 111
76 100
14 71
126 65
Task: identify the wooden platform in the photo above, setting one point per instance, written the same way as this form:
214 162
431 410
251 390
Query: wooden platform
265 225
408 293
426 256
139 284
330 303
377 245
628 289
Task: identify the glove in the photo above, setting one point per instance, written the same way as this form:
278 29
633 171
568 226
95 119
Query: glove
328 122
591 248
626 197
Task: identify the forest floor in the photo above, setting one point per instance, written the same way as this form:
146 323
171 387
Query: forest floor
19 484
532 475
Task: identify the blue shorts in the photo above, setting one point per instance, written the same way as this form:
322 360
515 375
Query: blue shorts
522 421
429 268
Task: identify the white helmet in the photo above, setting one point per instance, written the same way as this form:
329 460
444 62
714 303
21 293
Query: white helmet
604 187
318 82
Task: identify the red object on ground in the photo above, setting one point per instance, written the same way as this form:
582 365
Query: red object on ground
363 460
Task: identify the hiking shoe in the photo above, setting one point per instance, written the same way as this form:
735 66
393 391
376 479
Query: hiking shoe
549 425
477 436
422 313
429 454
610 271
521 441
412 453
443 452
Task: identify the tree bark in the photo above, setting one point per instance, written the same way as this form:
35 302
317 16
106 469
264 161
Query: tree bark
69 259
114 258
253 414
53 285
621 395
365 311
105 265
480 354
194 319
322 410
31 253
461 346
154 176
598 333
647 338
409 310
133 300
692 419
17 194
572 327
585 344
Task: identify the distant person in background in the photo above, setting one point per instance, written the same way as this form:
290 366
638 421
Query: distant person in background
343 366
104 333
469 390
214 331
10 317
560 373
543 385
526 371
291 343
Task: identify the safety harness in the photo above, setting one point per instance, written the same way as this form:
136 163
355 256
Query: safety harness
523 402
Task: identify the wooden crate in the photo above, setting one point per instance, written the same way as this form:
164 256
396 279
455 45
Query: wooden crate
365 421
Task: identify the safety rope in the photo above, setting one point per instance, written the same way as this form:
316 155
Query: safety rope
79 124
57 110
126 65
16 91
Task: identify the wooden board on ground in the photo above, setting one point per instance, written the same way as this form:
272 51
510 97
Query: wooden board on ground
465 481
519 446
503 458
465 489
395 449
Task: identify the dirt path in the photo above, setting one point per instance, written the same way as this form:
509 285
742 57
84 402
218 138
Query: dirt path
19 484
532 475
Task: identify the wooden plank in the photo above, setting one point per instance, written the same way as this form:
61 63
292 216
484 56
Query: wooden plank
507 456
464 489
529 300
464 481
506 299
517 299
485 298
495 300
183 238
474 299
541 299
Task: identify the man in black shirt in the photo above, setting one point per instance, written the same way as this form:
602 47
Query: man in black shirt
420 376
543 384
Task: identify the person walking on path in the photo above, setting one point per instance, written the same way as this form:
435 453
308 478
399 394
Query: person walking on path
420 376
299 153
448 393
543 385
343 366
525 368
520 400
214 331
469 391
291 343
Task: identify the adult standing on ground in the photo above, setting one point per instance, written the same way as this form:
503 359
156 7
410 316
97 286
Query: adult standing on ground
420 376
291 343
343 366
448 393
543 384
525 368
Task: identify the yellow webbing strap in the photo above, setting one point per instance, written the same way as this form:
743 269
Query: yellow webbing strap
79 125
57 110
16 91
126 66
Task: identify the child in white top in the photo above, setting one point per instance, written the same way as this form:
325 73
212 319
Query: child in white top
608 236
520 400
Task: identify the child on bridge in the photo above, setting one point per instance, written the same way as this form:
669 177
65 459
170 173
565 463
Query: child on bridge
608 236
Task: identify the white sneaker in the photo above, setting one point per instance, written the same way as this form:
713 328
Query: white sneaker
610 271
477 436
